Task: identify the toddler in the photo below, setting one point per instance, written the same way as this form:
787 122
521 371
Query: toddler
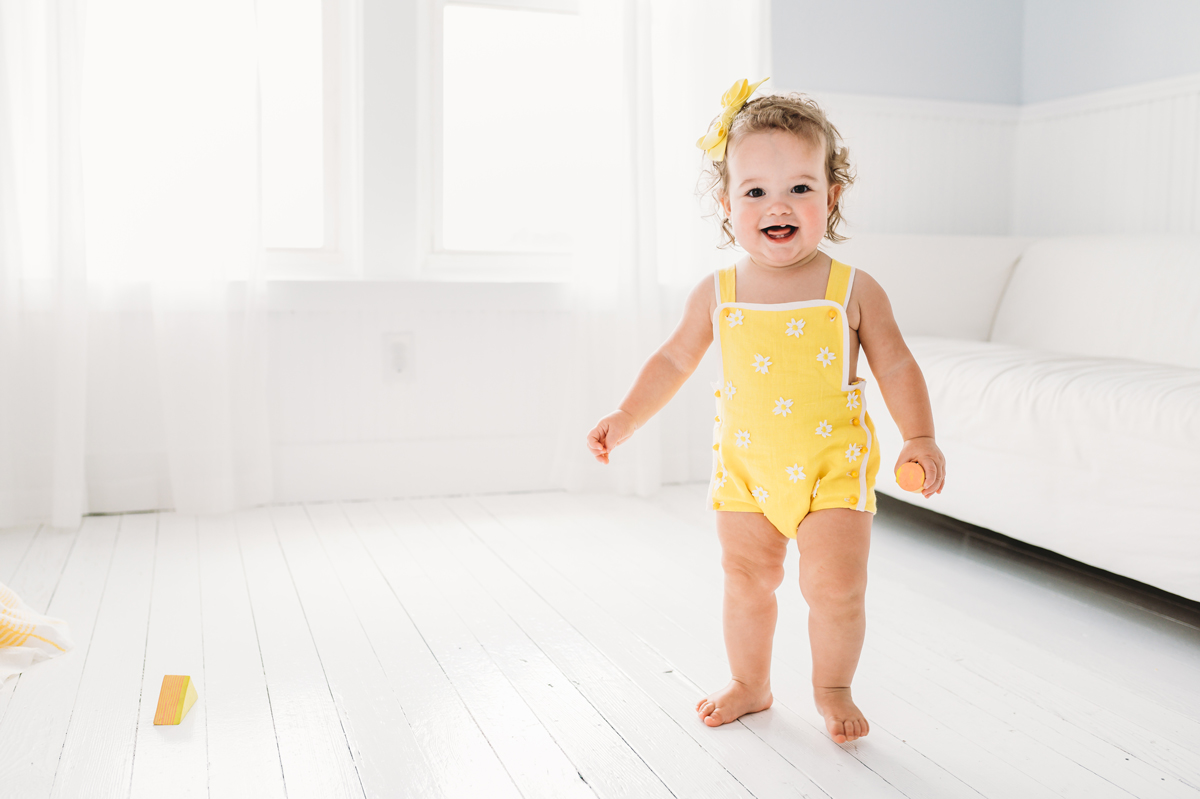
794 450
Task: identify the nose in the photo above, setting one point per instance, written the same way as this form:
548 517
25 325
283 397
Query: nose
779 207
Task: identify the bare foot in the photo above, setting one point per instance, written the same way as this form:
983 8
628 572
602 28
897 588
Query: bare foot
843 719
734 700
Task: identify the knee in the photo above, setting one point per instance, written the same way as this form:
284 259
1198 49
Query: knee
846 595
749 577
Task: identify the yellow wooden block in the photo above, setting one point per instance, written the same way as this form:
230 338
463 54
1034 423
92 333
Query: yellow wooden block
175 699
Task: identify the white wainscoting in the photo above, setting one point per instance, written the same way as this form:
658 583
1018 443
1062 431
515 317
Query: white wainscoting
1120 161
926 166
478 412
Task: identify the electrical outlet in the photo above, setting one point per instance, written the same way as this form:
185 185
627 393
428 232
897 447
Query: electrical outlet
399 358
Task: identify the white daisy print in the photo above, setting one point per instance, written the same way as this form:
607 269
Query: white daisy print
795 327
743 438
825 429
795 472
818 485
761 363
729 390
825 356
760 493
853 451
852 399
719 481
783 407
734 317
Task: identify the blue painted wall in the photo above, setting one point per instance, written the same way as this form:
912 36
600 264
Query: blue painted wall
988 51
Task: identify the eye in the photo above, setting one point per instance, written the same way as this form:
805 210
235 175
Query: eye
801 189
752 194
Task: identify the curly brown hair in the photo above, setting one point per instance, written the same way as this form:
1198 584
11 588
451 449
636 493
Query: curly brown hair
794 113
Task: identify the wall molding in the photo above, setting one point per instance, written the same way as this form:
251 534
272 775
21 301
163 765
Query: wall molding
1123 161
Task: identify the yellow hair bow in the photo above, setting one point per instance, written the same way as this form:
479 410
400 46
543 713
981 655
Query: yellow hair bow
732 101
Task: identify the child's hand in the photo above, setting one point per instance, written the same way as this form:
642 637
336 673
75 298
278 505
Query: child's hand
926 453
609 432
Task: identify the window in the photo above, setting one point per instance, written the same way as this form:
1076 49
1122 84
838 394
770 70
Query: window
504 97
291 74
209 128
309 127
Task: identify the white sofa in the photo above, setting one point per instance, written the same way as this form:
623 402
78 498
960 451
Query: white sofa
1064 375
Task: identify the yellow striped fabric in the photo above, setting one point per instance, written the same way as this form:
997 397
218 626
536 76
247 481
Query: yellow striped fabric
27 636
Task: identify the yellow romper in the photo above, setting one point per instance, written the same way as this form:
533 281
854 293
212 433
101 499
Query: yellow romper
791 433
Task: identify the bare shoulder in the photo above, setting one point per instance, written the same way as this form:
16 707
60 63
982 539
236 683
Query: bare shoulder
688 342
703 298
868 301
866 286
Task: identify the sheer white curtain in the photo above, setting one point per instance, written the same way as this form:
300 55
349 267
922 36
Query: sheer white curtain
43 286
172 189
136 380
655 71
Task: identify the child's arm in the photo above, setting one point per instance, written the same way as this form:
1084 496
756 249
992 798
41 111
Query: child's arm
662 374
900 381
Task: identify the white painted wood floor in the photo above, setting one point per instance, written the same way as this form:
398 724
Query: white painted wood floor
552 645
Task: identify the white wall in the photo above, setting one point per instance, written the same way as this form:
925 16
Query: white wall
1072 47
477 413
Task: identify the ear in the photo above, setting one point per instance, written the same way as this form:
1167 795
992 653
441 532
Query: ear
723 199
835 191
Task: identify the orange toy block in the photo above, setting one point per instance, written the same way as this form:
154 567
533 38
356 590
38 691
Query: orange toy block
176 698
910 476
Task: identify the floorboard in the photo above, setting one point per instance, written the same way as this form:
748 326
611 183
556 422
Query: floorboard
554 645
314 752
35 722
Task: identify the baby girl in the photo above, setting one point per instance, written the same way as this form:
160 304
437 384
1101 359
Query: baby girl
794 450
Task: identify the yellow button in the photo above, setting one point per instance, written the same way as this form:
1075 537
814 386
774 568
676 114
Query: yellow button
854 420
716 418
718 475
716 505
716 393
852 500
832 316
854 474
716 446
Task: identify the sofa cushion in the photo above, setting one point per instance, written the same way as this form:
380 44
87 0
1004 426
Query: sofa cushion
1134 297
1095 458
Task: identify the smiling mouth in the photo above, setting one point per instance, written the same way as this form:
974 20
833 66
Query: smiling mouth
779 232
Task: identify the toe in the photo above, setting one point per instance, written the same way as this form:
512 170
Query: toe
714 719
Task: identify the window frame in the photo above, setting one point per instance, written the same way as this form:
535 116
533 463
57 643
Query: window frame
434 261
340 256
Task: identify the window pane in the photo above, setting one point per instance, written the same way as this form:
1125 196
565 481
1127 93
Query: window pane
508 118
291 68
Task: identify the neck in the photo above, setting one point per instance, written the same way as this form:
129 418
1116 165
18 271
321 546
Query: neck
812 256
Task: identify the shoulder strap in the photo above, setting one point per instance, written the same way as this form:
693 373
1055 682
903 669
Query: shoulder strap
726 284
841 277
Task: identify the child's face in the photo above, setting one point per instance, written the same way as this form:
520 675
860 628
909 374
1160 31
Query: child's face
777 180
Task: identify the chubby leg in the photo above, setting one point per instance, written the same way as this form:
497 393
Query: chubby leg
833 547
752 555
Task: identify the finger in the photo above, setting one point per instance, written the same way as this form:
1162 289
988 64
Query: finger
931 471
932 475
